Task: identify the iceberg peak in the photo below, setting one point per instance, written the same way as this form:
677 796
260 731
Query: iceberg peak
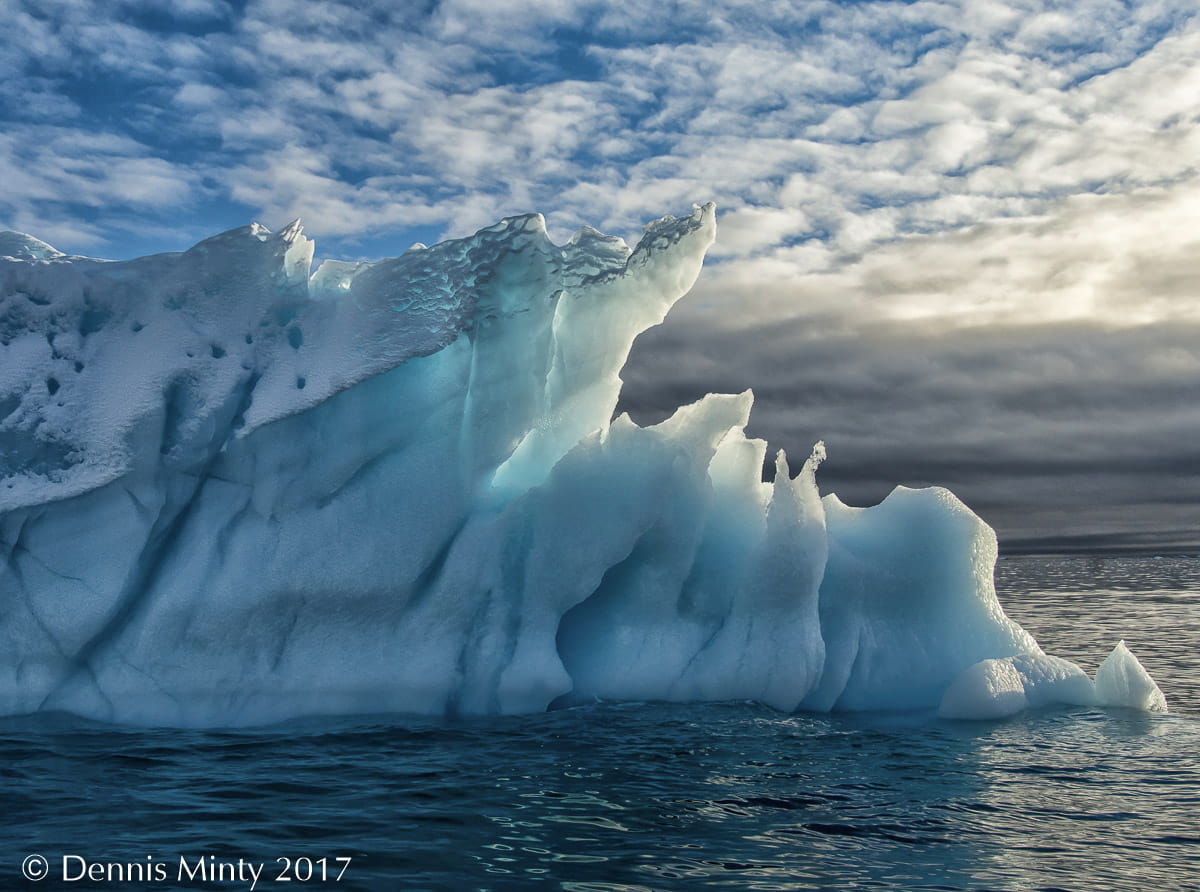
20 246
1121 680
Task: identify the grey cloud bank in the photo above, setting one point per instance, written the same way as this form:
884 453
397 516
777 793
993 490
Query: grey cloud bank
1063 437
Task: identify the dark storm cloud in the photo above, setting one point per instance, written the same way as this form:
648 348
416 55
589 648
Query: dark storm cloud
1066 434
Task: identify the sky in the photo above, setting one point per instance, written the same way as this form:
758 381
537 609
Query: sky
958 241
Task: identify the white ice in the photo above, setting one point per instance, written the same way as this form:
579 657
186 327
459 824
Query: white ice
232 492
1122 681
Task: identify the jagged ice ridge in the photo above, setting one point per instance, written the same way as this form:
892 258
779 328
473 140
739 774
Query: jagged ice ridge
233 493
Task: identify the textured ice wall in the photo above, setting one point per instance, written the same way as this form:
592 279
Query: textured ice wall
234 493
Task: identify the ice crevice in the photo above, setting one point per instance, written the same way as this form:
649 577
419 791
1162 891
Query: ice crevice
445 518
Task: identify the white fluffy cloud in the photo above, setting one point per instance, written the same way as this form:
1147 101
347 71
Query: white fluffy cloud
879 166
944 158
852 126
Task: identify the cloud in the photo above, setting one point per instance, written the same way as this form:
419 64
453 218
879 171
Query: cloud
900 119
900 171
942 157
1026 424
1119 259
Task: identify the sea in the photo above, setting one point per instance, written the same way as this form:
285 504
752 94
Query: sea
648 796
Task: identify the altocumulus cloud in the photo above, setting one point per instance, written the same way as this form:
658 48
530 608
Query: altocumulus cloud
957 238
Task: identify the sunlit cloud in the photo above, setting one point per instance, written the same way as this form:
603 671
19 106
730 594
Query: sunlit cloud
880 168
865 123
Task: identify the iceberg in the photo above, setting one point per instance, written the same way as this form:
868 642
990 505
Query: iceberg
234 491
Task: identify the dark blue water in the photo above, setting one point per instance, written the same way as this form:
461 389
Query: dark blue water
644 796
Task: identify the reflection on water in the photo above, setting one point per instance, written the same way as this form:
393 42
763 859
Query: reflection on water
1094 801
636 797
621 797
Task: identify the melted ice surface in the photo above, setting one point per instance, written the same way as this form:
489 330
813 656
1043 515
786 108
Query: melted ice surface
234 492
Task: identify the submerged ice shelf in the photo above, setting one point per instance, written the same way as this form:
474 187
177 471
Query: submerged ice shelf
232 492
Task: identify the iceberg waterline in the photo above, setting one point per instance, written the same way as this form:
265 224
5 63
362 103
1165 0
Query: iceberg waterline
233 493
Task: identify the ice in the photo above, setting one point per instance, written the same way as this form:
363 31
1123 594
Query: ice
907 601
26 247
233 492
1122 681
990 689
996 688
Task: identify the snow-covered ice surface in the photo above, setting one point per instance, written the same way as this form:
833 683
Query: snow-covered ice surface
233 492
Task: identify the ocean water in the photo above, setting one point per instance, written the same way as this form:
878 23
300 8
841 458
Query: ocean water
648 796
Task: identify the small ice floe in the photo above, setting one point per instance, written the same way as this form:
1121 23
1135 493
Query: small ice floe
993 689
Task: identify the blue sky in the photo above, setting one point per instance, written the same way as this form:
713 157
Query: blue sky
893 177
